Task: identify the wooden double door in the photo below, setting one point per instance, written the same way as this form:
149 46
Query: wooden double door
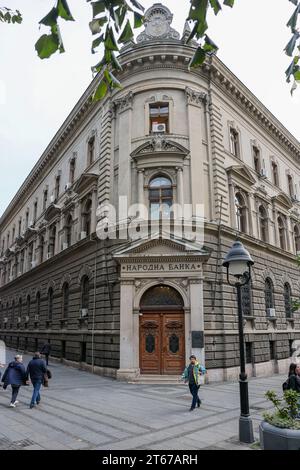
162 342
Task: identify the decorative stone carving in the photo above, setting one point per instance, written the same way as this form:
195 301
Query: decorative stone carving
194 97
157 22
124 103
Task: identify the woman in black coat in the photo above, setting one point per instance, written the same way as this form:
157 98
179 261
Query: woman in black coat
294 377
15 375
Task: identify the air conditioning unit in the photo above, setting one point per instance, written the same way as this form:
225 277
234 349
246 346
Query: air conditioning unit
33 264
36 318
159 127
19 320
83 235
295 198
68 186
26 319
48 256
263 173
52 198
5 319
271 312
11 278
31 223
65 246
84 312
20 273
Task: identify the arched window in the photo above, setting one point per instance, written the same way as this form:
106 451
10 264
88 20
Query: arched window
281 230
287 300
241 213
297 238
291 186
164 296
87 217
160 197
85 293
38 304
269 294
28 305
65 300
91 151
263 223
50 303
69 226
234 142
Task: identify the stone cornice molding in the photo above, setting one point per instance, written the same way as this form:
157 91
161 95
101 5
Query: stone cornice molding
124 103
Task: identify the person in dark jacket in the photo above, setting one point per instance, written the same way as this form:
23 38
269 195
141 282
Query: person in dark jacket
294 377
15 375
191 376
46 349
36 370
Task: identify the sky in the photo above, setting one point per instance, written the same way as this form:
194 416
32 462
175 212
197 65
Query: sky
37 95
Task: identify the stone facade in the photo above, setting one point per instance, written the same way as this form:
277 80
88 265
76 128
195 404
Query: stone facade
218 147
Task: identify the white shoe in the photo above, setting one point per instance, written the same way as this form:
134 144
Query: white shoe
12 405
16 402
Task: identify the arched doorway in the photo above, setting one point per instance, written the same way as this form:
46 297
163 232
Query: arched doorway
162 335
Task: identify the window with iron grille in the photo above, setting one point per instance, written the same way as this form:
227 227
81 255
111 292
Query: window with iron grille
287 300
247 300
66 300
269 293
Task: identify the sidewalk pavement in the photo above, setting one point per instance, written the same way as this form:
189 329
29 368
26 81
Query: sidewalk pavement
84 411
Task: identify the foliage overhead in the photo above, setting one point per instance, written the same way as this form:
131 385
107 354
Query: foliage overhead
112 25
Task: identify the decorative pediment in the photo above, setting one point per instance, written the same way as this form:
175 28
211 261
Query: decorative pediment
29 232
159 246
160 144
52 211
282 200
241 174
85 181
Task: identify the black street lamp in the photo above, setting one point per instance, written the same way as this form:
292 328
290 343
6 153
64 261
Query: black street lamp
238 263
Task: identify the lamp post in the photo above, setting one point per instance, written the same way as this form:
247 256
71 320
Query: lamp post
238 264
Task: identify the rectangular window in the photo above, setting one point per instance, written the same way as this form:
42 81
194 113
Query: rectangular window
234 142
275 174
72 170
91 151
27 219
35 211
57 187
45 199
13 234
159 118
256 159
291 186
272 350
20 227
249 350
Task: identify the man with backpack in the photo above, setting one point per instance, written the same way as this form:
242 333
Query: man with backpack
191 376
15 376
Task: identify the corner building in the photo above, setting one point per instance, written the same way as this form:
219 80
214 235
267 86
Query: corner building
126 308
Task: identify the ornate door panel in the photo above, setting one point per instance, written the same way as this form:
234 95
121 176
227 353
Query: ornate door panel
150 344
162 343
173 357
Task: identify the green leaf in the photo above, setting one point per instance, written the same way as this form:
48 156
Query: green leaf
64 10
127 33
109 41
100 91
51 18
98 7
138 20
47 45
97 42
229 3
292 23
96 24
215 5
198 59
115 63
297 78
198 13
209 45
120 14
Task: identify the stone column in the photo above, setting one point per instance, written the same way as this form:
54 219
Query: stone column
141 197
128 358
180 197
232 204
250 213
195 115
94 210
197 314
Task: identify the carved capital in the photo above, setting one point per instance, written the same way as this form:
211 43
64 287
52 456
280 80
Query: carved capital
195 98
125 103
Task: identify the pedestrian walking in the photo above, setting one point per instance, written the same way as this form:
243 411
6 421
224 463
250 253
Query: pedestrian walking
46 349
15 376
191 376
37 372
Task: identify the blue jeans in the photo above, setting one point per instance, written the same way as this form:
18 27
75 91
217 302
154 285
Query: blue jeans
36 392
194 391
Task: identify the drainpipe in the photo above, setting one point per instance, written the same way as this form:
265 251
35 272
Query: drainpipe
94 305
